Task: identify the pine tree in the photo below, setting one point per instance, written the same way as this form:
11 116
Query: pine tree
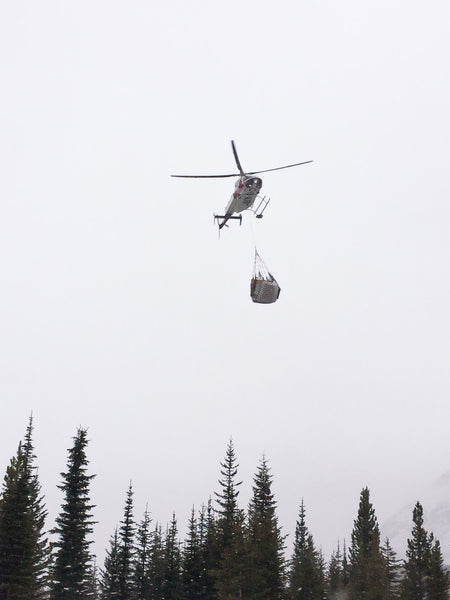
109 583
264 576
94 582
141 570
73 561
414 584
126 549
306 578
230 576
192 562
335 575
172 563
229 530
322 571
24 549
227 497
425 575
367 568
41 548
345 566
392 570
438 577
156 565
209 545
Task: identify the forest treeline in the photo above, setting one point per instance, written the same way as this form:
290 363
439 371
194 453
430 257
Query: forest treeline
228 553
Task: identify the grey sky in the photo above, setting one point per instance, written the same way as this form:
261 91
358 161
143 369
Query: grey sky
121 311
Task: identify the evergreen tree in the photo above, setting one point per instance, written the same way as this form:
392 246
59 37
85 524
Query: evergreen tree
73 561
392 570
345 566
156 565
306 578
126 549
425 575
335 575
209 545
438 577
414 585
230 576
227 497
109 583
94 584
192 562
264 574
228 530
172 563
41 548
367 568
24 549
141 571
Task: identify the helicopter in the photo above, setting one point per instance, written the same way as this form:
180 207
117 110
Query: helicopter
246 190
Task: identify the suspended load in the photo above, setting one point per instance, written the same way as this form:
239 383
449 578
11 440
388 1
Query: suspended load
264 288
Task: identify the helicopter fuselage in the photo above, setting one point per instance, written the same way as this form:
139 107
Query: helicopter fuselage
246 190
245 193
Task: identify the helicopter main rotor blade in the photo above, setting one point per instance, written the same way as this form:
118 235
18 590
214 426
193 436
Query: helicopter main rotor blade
278 168
236 158
242 174
208 176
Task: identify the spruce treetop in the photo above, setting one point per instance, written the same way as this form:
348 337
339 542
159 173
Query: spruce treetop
366 533
126 548
72 572
24 549
263 501
227 498
367 575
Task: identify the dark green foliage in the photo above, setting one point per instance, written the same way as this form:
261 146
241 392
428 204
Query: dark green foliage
73 561
228 570
172 563
93 583
208 539
425 574
265 544
156 565
414 585
438 578
393 566
109 583
345 566
306 576
227 555
141 570
231 575
24 550
126 549
192 562
336 576
367 567
227 498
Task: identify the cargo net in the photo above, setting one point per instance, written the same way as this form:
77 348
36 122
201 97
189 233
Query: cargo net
264 288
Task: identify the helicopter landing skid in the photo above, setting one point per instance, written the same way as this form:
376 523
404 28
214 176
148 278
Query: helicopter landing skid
226 218
263 202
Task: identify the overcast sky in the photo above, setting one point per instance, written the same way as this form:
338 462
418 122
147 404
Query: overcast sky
121 310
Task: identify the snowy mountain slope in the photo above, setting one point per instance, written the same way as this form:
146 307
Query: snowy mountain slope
436 507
